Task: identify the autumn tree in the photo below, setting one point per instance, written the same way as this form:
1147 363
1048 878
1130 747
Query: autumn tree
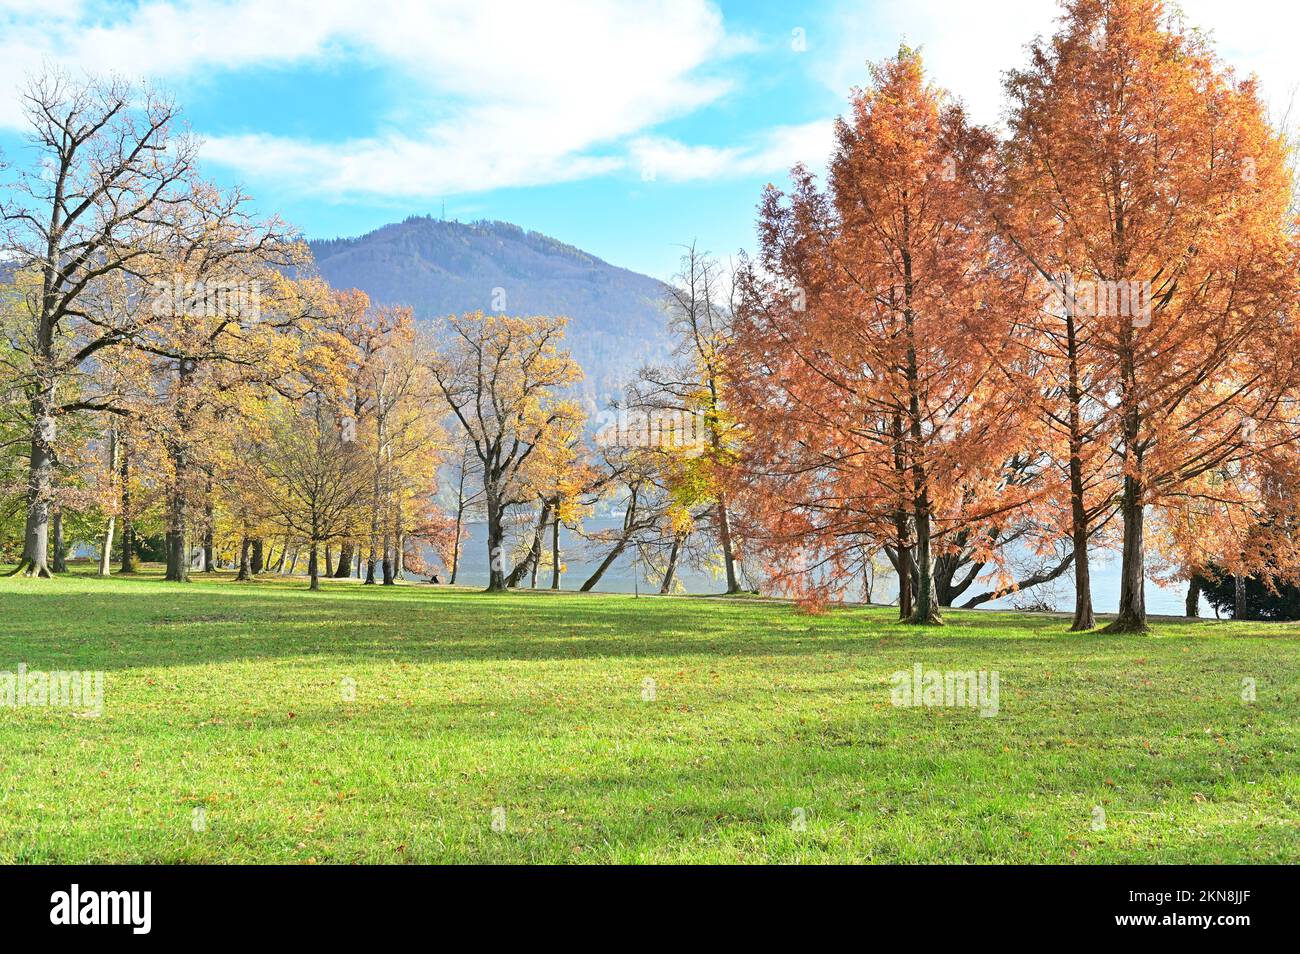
691 394
873 341
111 170
501 377
309 476
1148 178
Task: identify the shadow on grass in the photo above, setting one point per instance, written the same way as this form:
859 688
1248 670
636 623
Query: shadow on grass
82 621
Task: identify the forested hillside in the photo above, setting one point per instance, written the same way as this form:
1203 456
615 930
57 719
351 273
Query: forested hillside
441 268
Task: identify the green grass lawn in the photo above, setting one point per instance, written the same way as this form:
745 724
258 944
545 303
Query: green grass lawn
231 698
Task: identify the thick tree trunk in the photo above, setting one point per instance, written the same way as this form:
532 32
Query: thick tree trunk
313 568
1238 597
256 562
1192 607
926 610
346 552
245 569
1132 616
496 544
178 564
40 487
388 560
60 546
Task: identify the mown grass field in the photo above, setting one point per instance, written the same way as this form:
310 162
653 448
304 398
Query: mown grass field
231 697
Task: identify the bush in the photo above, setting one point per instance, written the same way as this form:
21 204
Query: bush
1262 603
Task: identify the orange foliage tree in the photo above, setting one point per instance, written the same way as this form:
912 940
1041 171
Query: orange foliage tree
872 353
1146 181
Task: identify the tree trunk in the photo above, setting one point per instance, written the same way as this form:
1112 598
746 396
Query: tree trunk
529 563
245 570
178 564
313 568
455 552
257 564
671 572
1238 596
1132 616
128 528
605 564
60 547
555 551
724 537
388 560
1079 531
106 549
902 539
346 552
40 487
926 609
496 544
1083 615
209 532
1193 606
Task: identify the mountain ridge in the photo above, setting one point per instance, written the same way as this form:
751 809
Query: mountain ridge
440 267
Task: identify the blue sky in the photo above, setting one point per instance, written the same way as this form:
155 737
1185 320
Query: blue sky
625 128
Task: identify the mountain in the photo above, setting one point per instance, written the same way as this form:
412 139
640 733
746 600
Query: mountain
617 322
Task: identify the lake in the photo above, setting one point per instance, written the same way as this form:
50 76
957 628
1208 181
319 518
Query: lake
623 576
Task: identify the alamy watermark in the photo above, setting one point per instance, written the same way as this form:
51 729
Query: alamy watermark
83 690
1066 295
663 428
180 298
946 688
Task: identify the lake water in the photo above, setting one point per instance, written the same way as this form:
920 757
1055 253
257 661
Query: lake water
623 577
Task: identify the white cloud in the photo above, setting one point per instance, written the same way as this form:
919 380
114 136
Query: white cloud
658 158
524 92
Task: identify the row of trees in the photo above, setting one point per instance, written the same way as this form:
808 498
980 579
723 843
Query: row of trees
174 374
